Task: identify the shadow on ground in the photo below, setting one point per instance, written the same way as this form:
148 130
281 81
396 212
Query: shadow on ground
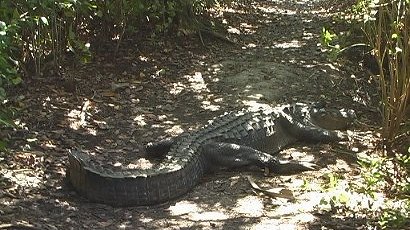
158 88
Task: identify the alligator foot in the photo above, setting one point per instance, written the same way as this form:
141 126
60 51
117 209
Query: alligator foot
234 155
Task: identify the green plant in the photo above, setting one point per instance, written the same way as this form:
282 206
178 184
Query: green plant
373 172
388 32
395 218
329 40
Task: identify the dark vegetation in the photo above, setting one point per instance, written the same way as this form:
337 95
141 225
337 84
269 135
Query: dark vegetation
41 39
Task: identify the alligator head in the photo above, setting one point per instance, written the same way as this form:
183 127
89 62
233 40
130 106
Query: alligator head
332 119
327 118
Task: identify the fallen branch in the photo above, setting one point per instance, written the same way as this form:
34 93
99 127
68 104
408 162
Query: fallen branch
256 187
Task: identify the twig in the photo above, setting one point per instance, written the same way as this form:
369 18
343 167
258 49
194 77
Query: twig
18 226
267 192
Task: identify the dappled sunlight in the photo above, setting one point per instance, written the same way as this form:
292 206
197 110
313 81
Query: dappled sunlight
24 178
250 206
208 106
208 216
174 130
276 10
196 213
184 207
249 46
273 224
255 105
78 118
140 120
287 45
156 87
176 88
196 84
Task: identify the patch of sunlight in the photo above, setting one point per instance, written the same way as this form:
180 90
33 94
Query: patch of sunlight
250 45
248 28
77 118
176 129
183 207
251 206
115 37
124 225
73 113
208 106
231 10
215 79
19 123
50 145
197 83
141 163
291 44
142 58
277 10
75 125
233 30
272 224
24 178
177 88
92 131
195 212
255 105
307 35
162 125
163 117
140 120
305 205
342 164
145 220
257 96
207 216
301 156
215 68
321 13
45 101
341 195
304 218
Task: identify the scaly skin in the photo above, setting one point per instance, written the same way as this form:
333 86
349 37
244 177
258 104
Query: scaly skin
232 140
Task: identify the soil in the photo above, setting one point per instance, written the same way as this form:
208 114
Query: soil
155 87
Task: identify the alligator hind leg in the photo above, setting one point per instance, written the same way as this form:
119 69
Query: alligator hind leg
159 148
233 155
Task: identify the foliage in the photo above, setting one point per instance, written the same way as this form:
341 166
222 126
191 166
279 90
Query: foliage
36 35
385 23
395 218
387 26
391 175
329 40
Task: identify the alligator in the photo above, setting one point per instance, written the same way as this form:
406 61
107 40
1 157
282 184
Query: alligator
249 137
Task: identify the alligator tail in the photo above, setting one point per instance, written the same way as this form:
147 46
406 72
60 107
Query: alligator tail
130 188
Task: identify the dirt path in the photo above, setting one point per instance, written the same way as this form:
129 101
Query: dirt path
155 88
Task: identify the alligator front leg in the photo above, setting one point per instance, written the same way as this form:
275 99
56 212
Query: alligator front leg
234 155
